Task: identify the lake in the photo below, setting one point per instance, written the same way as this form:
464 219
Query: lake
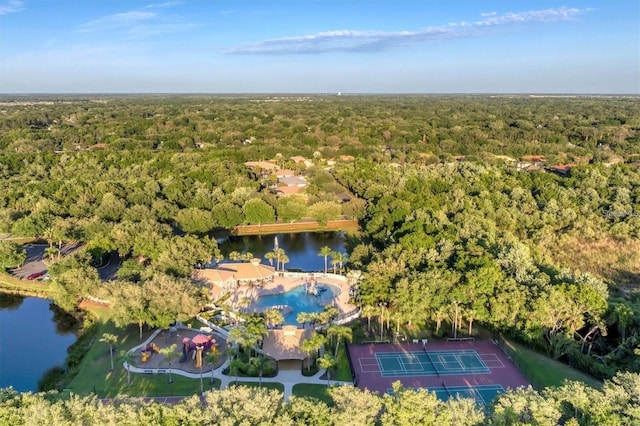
32 341
301 248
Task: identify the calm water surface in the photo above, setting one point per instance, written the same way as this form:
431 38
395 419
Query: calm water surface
301 248
31 342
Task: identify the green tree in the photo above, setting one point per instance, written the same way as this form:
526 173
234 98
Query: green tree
354 406
340 258
171 299
11 255
273 317
524 406
234 368
325 252
290 209
129 304
339 332
260 362
324 211
408 406
128 357
170 355
327 361
110 340
257 211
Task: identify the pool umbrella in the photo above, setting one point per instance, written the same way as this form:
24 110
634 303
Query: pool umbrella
200 339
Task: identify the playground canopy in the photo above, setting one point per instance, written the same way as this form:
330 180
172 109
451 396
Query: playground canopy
201 339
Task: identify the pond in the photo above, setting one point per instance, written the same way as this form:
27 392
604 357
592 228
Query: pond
33 339
301 248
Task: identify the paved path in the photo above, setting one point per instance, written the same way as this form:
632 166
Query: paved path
287 377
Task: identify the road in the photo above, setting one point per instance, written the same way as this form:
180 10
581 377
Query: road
108 271
35 254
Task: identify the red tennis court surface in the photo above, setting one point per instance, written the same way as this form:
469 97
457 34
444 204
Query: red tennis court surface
376 366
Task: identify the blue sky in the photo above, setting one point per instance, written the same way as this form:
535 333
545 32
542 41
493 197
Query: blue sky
320 46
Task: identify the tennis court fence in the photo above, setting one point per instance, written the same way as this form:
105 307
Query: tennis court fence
529 373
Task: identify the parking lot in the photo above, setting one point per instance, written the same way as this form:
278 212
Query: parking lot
34 264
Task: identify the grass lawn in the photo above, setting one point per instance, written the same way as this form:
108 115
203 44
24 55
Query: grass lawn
342 371
550 372
25 287
314 391
267 385
94 375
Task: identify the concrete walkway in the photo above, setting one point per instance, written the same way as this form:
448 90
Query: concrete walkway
287 377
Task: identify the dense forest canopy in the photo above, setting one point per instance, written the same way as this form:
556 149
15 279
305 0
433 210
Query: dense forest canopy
455 226
572 404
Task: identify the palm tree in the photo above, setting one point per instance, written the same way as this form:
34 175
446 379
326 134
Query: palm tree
284 260
274 317
328 361
170 354
49 234
318 342
325 252
471 315
128 357
239 336
278 254
111 340
260 362
438 316
211 358
334 261
270 256
244 302
368 312
308 347
455 315
341 257
340 332
234 368
234 255
246 257
303 318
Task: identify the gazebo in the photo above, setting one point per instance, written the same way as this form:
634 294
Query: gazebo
284 344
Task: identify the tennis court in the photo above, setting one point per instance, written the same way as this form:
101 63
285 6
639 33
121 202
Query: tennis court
475 369
433 363
482 394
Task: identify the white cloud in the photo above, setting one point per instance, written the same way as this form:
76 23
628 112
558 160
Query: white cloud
363 41
146 21
11 6
118 20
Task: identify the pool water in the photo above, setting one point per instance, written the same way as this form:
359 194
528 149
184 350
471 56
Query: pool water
299 301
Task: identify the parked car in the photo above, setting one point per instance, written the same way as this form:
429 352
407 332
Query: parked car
36 275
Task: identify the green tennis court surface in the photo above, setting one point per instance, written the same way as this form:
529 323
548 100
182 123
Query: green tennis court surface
482 394
432 363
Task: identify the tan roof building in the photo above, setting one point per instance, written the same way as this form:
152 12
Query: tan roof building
285 172
283 344
265 165
289 190
230 275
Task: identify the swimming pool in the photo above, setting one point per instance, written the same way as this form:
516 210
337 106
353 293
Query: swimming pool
299 300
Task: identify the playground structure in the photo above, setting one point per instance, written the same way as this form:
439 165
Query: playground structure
148 351
196 347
